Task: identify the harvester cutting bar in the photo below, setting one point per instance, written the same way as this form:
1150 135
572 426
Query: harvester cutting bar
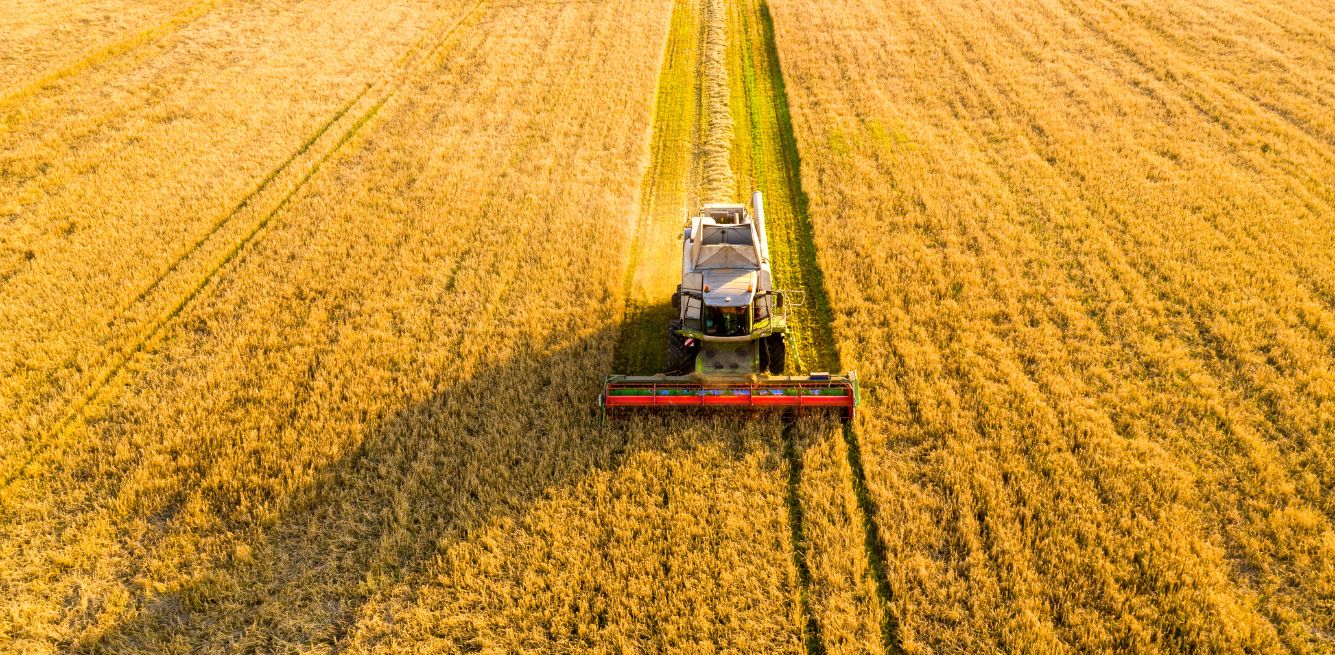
816 391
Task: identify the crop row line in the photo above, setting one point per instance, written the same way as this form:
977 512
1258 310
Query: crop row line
94 389
1211 104
1207 345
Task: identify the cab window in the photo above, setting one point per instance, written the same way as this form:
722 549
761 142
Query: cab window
727 321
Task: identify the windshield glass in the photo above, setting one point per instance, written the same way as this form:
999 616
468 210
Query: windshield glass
727 321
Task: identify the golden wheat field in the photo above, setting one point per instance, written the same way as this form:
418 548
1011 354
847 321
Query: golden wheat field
305 307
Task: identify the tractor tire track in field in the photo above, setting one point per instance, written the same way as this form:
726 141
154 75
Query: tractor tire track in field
116 123
680 142
415 60
775 169
247 200
688 146
811 631
109 51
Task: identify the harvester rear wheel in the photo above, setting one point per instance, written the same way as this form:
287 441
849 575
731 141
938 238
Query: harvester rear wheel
680 357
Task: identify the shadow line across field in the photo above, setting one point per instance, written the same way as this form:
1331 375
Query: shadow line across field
374 525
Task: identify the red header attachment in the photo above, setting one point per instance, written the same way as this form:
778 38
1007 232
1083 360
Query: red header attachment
800 393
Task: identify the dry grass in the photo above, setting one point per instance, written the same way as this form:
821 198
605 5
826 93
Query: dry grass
42 41
717 181
114 211
1081 254
303 306
363 420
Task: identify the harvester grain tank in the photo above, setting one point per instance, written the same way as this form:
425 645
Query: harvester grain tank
727 347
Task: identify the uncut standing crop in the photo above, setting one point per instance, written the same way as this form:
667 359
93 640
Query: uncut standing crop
368 422
1080 253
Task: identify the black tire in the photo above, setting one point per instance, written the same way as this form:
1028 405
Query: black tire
680 357
774 354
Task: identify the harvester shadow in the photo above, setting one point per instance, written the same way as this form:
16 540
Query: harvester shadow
431 475
642 342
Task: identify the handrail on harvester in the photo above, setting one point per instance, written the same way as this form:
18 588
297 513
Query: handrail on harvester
817 390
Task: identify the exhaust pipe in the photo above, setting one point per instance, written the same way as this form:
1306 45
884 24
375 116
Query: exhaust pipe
758 216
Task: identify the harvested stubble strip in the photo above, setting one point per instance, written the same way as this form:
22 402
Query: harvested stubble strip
718 184
670 182
1087 314
368 434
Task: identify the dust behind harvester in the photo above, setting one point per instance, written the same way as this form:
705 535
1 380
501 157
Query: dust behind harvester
727 347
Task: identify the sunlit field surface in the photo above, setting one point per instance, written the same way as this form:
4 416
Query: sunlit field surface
305 307
1082 255
302 342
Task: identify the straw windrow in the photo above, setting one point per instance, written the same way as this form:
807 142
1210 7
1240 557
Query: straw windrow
718 183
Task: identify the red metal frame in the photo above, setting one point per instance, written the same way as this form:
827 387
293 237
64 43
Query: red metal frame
722 395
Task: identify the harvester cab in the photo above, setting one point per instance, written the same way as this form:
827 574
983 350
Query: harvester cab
727 346
730 320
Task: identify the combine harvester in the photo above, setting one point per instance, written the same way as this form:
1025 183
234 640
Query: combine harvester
727 346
